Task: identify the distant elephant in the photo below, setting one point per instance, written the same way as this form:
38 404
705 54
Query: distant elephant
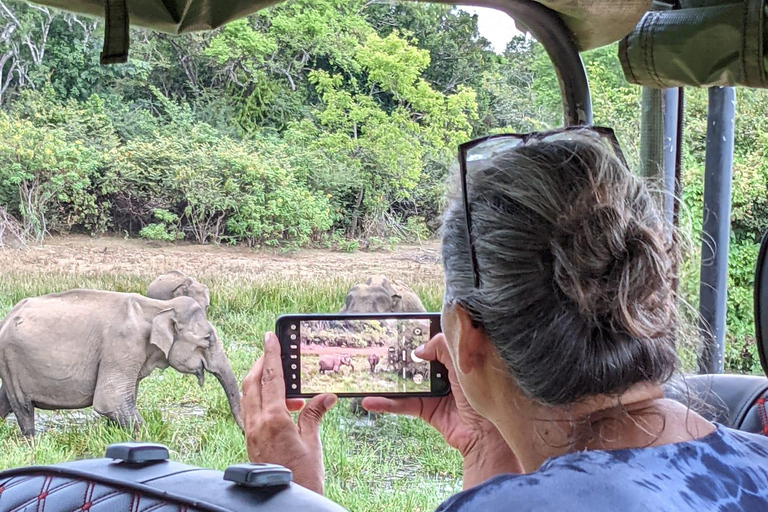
380 295
331 363
176 284
88 347
373 360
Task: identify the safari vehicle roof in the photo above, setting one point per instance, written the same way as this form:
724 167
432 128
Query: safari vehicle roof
665 43
593 22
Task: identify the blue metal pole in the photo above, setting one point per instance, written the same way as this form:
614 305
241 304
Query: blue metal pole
671 162
716 228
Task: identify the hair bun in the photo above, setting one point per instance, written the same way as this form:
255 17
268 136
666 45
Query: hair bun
611 265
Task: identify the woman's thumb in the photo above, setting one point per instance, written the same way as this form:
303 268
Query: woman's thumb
312 414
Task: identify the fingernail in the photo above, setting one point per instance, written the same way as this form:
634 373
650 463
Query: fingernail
329 401
419 350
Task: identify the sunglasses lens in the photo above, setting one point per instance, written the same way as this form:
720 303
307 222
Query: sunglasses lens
492 147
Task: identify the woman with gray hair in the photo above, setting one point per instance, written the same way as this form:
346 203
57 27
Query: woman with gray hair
558 320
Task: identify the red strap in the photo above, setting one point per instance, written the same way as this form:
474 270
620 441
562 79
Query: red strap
763 414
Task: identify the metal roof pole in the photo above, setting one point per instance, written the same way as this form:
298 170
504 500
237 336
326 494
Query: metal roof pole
652 136
716 227
659 145
673 115
549 30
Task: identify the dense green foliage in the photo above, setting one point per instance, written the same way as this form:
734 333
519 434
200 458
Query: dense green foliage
317 122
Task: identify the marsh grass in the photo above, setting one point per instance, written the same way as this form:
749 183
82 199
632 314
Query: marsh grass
391 464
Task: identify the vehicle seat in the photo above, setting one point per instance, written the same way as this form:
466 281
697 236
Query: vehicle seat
737 401
109 485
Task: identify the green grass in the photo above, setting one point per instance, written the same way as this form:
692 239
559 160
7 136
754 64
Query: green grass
391 464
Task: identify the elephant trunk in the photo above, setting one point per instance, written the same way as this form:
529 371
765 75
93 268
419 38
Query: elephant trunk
220 368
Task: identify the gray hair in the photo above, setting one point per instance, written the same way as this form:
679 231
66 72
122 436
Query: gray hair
576 265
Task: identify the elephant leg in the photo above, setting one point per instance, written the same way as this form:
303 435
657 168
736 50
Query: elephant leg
115 398
5 404
25 415
21 407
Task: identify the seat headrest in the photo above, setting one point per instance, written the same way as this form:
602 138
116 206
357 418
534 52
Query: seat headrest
761 303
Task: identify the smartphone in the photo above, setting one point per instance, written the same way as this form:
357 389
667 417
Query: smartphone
359 355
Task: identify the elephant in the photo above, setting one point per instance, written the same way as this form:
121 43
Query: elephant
380 295
84 348
373 360
331 363
175 284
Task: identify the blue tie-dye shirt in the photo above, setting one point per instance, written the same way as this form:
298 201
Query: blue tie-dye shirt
724 471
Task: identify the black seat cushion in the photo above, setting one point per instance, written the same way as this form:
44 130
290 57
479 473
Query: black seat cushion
101 485
44 492
735 401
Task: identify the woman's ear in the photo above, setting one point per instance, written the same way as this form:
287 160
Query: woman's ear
473 348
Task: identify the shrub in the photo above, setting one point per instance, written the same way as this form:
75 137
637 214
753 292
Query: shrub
48 180
166 230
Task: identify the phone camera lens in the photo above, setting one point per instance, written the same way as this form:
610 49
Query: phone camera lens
293 336
293 367
294 386
293 327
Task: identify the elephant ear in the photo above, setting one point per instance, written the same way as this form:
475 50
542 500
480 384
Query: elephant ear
163 330
182 289
397 302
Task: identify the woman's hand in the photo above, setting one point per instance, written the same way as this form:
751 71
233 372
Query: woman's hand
270 433
484 450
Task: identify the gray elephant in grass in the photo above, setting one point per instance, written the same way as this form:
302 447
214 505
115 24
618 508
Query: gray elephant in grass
373 360
176 284
331 363
87 347
380 295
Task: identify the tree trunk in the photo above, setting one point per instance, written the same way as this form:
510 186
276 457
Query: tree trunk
356 213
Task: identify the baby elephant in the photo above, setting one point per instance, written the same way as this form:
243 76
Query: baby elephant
380 295
88 347
373 360
331 363
176 284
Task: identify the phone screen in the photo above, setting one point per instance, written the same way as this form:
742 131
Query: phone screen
353 356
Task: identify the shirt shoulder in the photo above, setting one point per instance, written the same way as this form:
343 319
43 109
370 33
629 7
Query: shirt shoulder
725 469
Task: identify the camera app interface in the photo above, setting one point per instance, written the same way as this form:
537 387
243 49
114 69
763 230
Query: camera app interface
372 356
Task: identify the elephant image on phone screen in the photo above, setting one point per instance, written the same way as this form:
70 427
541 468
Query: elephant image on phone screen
375 355
373 360
330 363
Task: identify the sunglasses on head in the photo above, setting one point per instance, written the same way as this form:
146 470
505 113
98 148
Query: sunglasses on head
476 151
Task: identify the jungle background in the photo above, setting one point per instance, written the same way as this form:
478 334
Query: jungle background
324 123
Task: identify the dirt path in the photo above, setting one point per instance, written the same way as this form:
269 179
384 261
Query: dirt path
90 255
353 351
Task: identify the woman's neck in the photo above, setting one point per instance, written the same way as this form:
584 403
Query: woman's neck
639 418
